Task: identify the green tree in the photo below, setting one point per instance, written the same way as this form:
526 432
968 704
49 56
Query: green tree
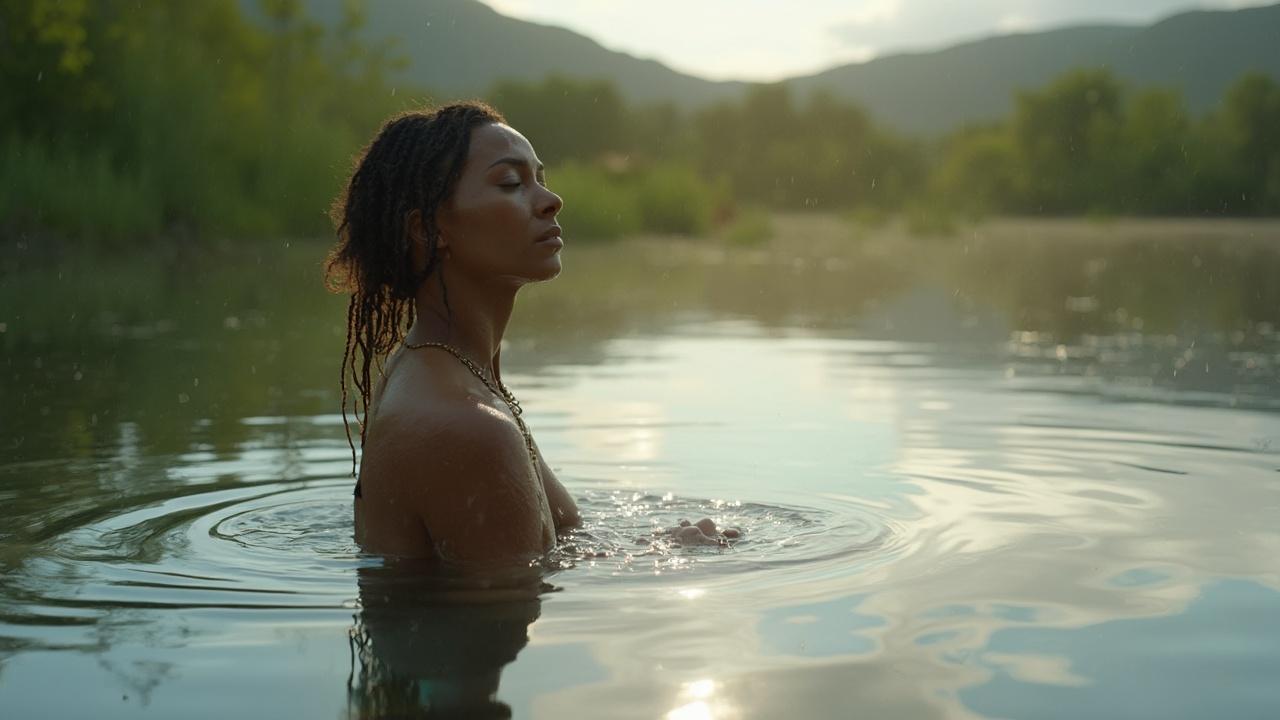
978 173
1067 136
825 153
127 118
565 119
1155 174
1245 133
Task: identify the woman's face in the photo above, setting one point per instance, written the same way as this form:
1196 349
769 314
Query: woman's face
500 221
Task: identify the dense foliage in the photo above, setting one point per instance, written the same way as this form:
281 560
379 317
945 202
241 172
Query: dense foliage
1086 144
123 120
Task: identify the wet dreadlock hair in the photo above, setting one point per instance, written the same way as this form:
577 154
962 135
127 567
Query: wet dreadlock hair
413 163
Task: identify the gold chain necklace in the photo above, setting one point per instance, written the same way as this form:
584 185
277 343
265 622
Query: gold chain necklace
500 390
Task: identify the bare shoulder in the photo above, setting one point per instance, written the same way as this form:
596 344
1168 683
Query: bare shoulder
441 453
432 441
434 414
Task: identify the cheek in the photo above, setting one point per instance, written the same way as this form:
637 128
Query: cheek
495 219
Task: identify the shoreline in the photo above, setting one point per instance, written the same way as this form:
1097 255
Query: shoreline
44 247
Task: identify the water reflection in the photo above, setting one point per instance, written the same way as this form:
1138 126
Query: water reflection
1050 672
220 348
970 471
418 650
701 702
826 629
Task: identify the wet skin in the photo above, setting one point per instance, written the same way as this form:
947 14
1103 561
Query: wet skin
445 471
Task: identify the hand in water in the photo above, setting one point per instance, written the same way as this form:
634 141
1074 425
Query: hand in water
703 532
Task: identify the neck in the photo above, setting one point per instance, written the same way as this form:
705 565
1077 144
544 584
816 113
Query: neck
473 322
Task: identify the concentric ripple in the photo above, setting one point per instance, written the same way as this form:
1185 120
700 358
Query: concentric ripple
273 545
289 545
626 532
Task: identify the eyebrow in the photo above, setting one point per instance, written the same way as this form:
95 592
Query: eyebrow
515 161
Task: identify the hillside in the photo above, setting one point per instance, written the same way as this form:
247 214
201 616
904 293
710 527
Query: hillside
460 47
1199 53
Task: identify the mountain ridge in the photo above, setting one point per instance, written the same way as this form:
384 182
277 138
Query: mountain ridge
923 92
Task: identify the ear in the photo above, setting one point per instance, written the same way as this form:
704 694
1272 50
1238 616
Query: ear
414 228
417 236
443 225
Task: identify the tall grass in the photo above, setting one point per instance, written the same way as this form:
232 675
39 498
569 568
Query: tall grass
71 193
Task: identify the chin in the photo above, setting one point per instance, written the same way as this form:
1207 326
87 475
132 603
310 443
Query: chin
547 270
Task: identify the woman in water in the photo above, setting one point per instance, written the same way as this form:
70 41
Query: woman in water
446 216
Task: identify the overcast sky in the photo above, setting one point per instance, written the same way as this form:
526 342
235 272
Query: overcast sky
772 39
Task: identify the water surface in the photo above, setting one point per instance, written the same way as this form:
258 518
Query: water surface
1031 471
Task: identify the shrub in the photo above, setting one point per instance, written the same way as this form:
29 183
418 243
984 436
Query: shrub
597 205
752 226
73 193
673 199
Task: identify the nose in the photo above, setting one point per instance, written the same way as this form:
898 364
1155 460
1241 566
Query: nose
549 204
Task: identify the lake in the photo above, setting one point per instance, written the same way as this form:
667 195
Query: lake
1028 471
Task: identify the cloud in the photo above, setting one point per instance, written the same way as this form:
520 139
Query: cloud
875 12
918 24
1014 22
851 32
759 40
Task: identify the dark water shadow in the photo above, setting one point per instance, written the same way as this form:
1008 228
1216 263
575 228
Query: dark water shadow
426 647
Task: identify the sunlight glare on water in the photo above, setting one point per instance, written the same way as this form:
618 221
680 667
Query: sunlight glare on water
957 496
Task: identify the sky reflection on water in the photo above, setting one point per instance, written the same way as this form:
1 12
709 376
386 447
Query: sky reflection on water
989 479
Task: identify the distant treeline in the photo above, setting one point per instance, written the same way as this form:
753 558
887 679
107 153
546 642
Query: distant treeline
124 120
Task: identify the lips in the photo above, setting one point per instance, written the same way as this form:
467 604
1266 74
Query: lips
552 233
